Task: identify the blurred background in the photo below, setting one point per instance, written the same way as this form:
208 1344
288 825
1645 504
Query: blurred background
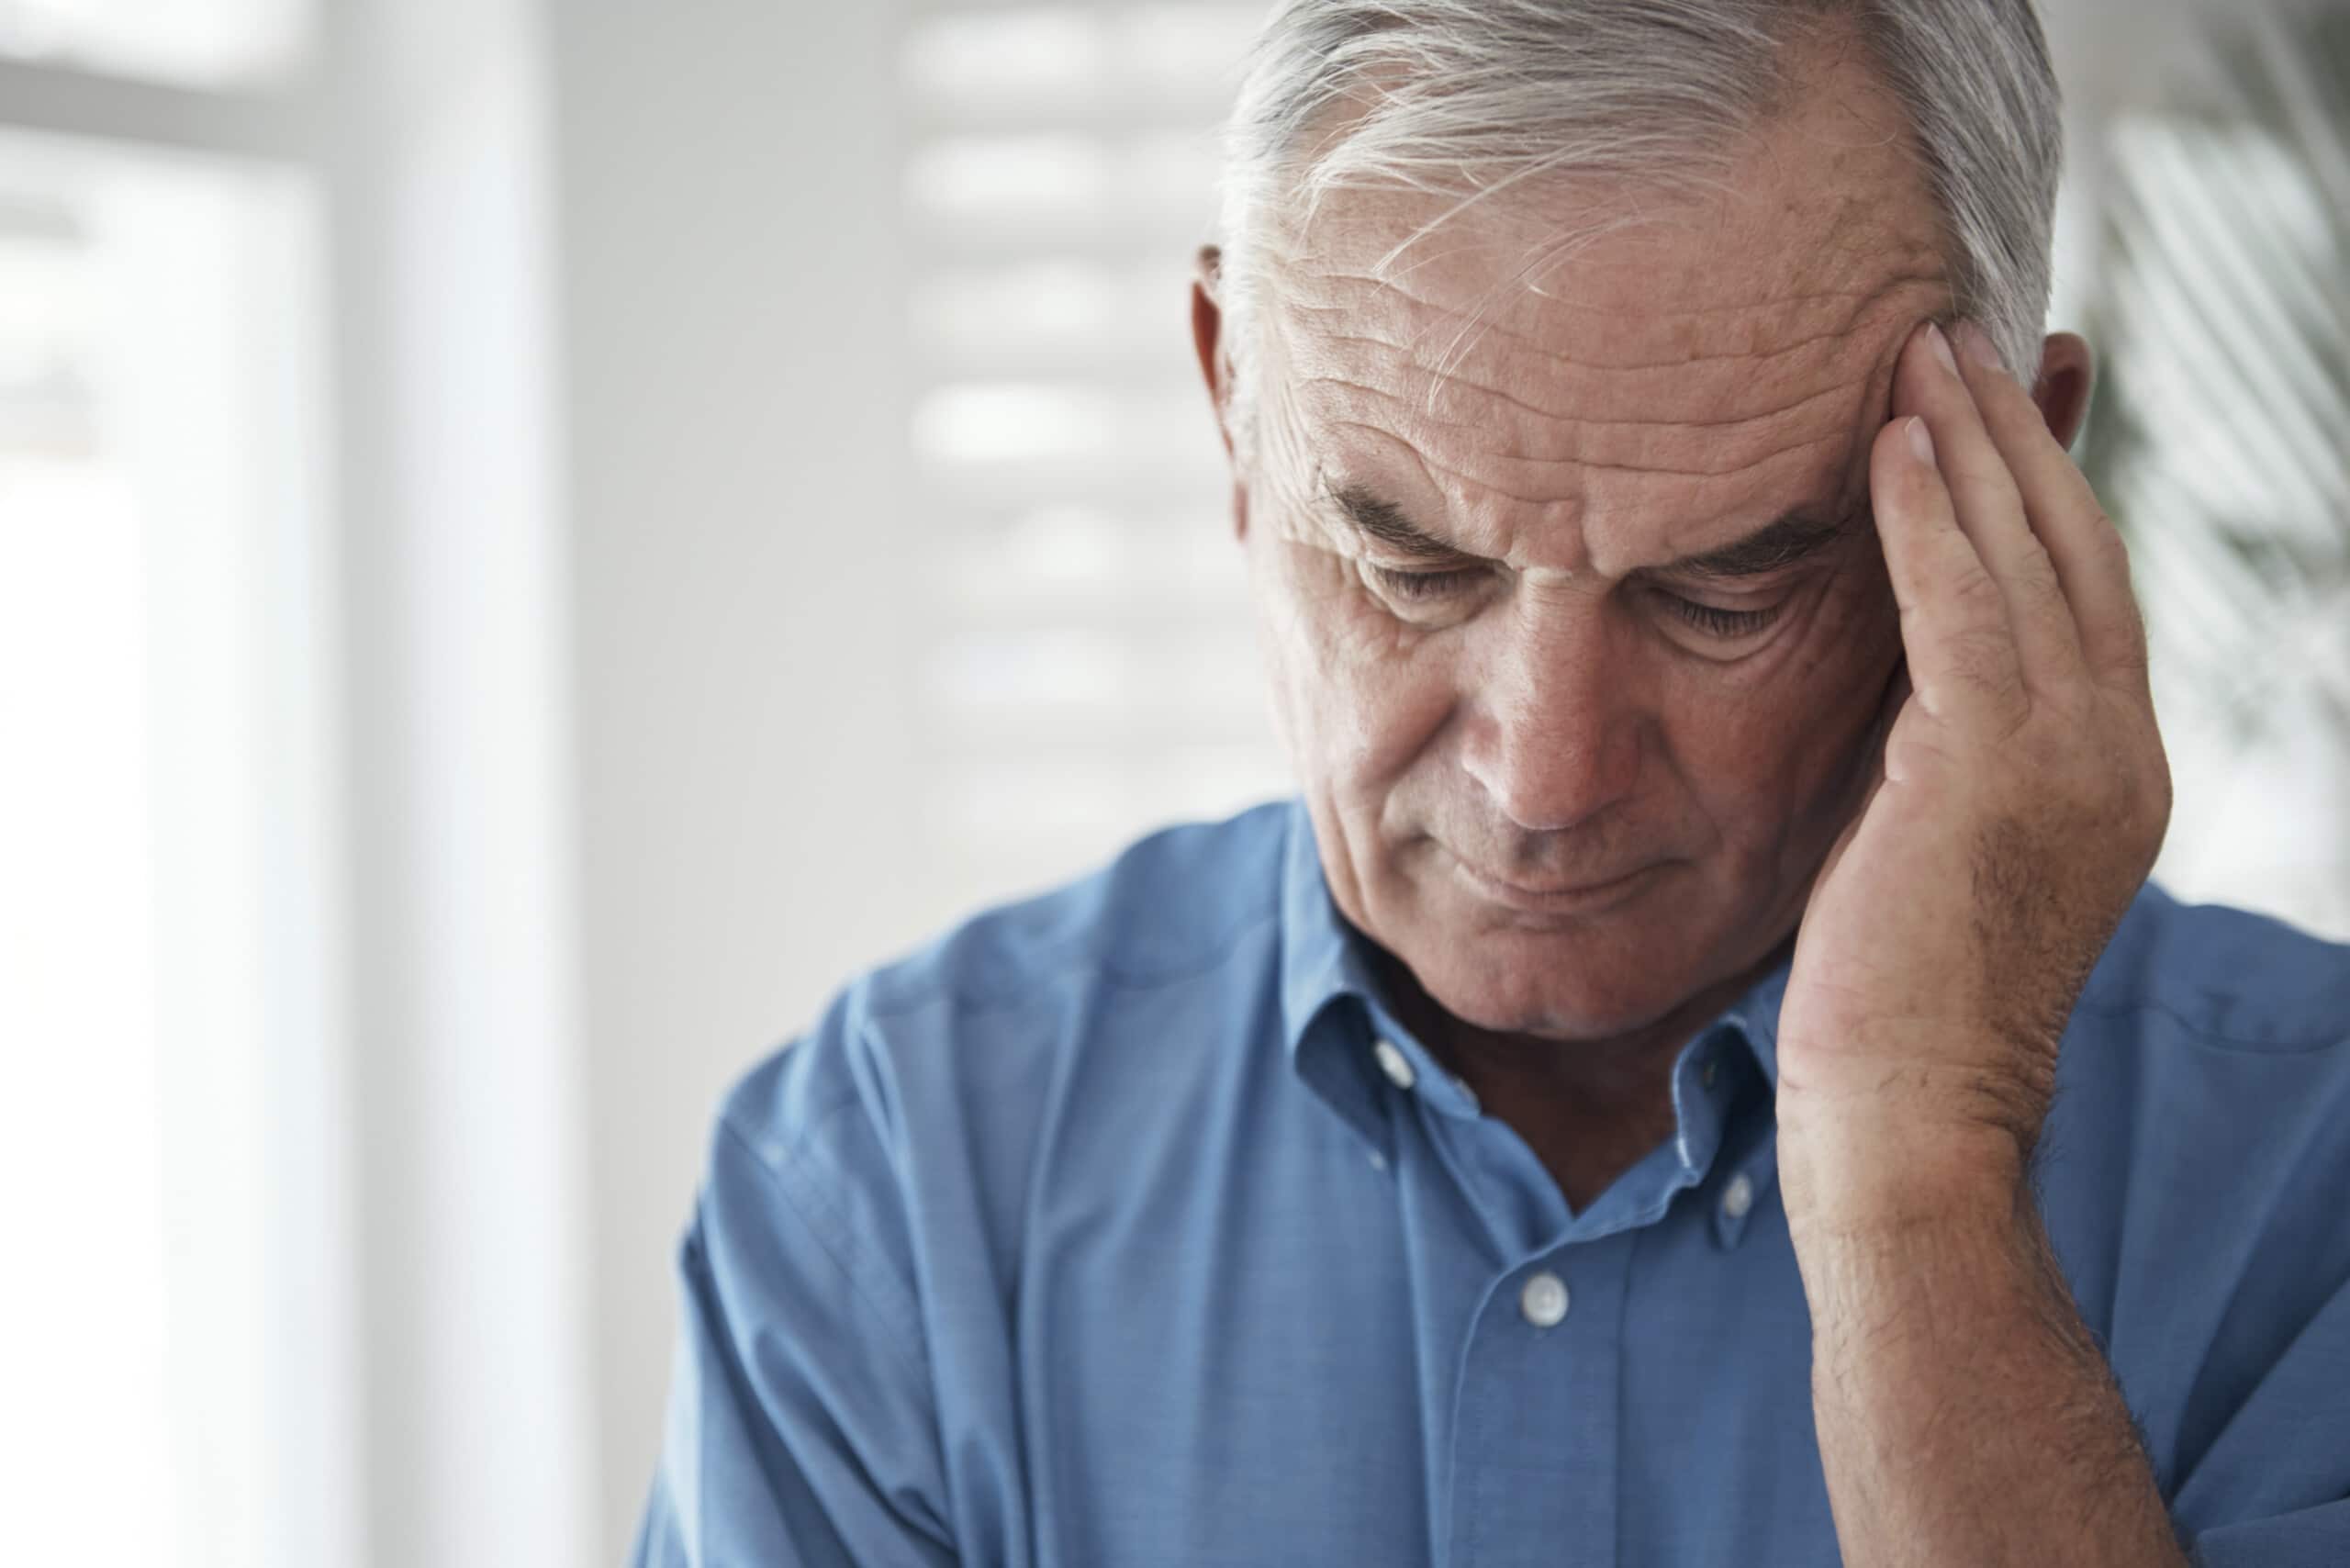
537 537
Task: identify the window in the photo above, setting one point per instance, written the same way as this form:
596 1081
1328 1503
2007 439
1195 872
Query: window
166 1129
196 43
2218 445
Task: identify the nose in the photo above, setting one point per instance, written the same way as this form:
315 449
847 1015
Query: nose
1554 729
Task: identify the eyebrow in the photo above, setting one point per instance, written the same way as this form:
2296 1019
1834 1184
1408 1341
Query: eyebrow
1777 545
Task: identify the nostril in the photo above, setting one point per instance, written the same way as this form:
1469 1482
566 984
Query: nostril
1546 781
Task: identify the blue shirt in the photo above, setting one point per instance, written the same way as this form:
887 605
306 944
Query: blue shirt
1128 1226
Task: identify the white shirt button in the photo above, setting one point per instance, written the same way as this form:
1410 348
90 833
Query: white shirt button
1739 1196
1544 1300
1391 1063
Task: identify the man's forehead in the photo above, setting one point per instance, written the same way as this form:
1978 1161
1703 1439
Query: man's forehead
1651 395
1515 452
1578 371
1600 288
1821 212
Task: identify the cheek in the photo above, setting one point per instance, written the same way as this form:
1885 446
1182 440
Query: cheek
1359 697
1767 755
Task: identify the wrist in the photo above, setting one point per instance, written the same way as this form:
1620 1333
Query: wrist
1856 1168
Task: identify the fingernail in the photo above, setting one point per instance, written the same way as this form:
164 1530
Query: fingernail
1922 441
1941 347
1978 347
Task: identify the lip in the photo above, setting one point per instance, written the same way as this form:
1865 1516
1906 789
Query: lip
1587 899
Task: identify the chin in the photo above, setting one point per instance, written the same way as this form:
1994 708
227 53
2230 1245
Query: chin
1582 974
1550 983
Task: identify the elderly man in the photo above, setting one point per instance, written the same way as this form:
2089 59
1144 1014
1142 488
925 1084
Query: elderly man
1698 1078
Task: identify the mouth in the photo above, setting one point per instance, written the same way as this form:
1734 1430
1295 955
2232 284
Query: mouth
1587 897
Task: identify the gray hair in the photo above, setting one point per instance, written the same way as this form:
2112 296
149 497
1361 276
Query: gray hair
1464 98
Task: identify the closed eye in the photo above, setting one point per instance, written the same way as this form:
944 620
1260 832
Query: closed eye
1715 622
1419 587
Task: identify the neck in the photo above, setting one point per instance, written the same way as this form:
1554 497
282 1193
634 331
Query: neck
1589 1108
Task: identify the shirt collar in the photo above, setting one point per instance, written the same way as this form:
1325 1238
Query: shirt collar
1331 999
1322 958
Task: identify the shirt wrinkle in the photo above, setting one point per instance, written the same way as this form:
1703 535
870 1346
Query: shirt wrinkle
803 1193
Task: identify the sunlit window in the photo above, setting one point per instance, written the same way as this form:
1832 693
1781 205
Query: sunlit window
191 43
163 924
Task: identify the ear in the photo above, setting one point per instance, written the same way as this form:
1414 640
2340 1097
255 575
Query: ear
1207 336
1215 368
2067 373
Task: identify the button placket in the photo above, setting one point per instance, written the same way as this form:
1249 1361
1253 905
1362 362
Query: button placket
1538 1401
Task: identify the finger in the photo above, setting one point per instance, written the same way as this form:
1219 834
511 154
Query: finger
2083 547
1991 509
1955 627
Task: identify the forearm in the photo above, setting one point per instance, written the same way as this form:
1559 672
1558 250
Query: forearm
1965 1415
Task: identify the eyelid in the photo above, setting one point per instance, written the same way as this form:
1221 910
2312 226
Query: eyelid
1724 623
1415 562
1408 583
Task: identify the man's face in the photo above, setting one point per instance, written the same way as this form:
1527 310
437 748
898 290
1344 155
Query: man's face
1575 721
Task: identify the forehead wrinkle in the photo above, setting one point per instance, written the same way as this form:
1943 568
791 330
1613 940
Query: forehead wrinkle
1493 325
1519 447
1424 408
1583 462
1656 470
1474 518
1490 330
1290 301
1476 512
1404 357
1459 391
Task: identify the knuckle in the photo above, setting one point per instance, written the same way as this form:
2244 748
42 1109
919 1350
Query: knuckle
1973 590
2039 585
1980 655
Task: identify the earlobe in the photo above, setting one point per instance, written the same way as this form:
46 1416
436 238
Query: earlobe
2068 374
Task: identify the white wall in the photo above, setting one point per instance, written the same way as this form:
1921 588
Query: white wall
729 198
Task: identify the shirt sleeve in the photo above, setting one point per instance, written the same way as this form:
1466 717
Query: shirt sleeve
2310 1538
800 1427
2274 1490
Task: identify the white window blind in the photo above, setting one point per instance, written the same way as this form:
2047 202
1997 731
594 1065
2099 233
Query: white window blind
1087 669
